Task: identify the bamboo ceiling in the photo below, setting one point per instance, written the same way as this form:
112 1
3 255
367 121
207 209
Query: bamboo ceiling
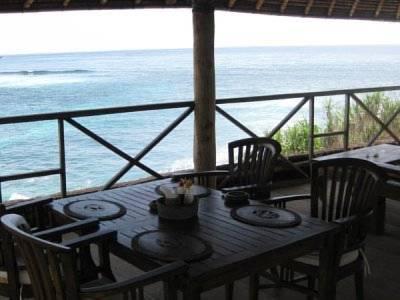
383 10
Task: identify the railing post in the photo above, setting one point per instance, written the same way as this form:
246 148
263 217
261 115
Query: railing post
311 130
61 147
346 125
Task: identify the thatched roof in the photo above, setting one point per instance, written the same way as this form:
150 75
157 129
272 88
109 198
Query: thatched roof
387 10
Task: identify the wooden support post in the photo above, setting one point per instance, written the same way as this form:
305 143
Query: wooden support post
346 125
204 86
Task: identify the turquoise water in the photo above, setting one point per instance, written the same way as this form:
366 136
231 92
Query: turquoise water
61 82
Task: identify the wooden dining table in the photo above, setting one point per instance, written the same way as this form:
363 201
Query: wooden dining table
238 249
385 156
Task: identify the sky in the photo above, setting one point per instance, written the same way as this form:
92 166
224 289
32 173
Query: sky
172 28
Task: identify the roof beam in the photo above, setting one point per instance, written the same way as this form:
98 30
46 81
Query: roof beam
284 5
259 4
66 3
331 8
231 3
379 8
398 12
354 7
308 7
28 4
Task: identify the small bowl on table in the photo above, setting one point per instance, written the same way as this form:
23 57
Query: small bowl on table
236 198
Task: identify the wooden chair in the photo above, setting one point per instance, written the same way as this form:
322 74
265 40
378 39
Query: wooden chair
343 191
14 278
54 269
251 166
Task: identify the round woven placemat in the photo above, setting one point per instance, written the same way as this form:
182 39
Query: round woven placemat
261 215
171 246
94 208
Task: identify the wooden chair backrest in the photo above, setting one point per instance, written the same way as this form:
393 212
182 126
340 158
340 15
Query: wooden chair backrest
51 267
252 160
345 187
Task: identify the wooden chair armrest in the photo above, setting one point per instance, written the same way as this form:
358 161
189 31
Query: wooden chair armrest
281 202
159 274
178 176
88 224
91 238
348 221
24 204
238 188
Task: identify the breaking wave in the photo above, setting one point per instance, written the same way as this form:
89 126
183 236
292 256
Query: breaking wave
44 72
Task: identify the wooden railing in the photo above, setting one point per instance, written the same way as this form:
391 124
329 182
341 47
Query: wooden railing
304 98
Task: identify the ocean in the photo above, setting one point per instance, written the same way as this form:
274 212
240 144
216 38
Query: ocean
61 82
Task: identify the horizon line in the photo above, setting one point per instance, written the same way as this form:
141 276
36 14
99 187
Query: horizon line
187 48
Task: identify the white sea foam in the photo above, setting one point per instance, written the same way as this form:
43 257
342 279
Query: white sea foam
15 81
18 196
187 162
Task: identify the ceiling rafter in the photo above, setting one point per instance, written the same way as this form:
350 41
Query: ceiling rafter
308 7
231 3
28 4
284 5
398 12
379 8
354 7
331 8
259 4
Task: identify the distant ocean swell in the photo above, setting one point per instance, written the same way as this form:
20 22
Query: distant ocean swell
45 72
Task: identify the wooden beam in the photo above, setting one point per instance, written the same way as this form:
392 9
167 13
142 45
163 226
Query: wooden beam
231 3
308 7
259 4
204 149
28 4
398 12
284 5
354 7
66 3
331 8
379 8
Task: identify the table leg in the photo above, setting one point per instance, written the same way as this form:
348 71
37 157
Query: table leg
253 286
170 291
328 264
191 294
380 216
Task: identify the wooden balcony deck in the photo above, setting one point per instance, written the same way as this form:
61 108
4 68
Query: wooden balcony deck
383 254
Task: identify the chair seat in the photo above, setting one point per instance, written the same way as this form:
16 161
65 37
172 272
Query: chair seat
23 277
313 258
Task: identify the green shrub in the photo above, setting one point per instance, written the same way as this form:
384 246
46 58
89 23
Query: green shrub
294 138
